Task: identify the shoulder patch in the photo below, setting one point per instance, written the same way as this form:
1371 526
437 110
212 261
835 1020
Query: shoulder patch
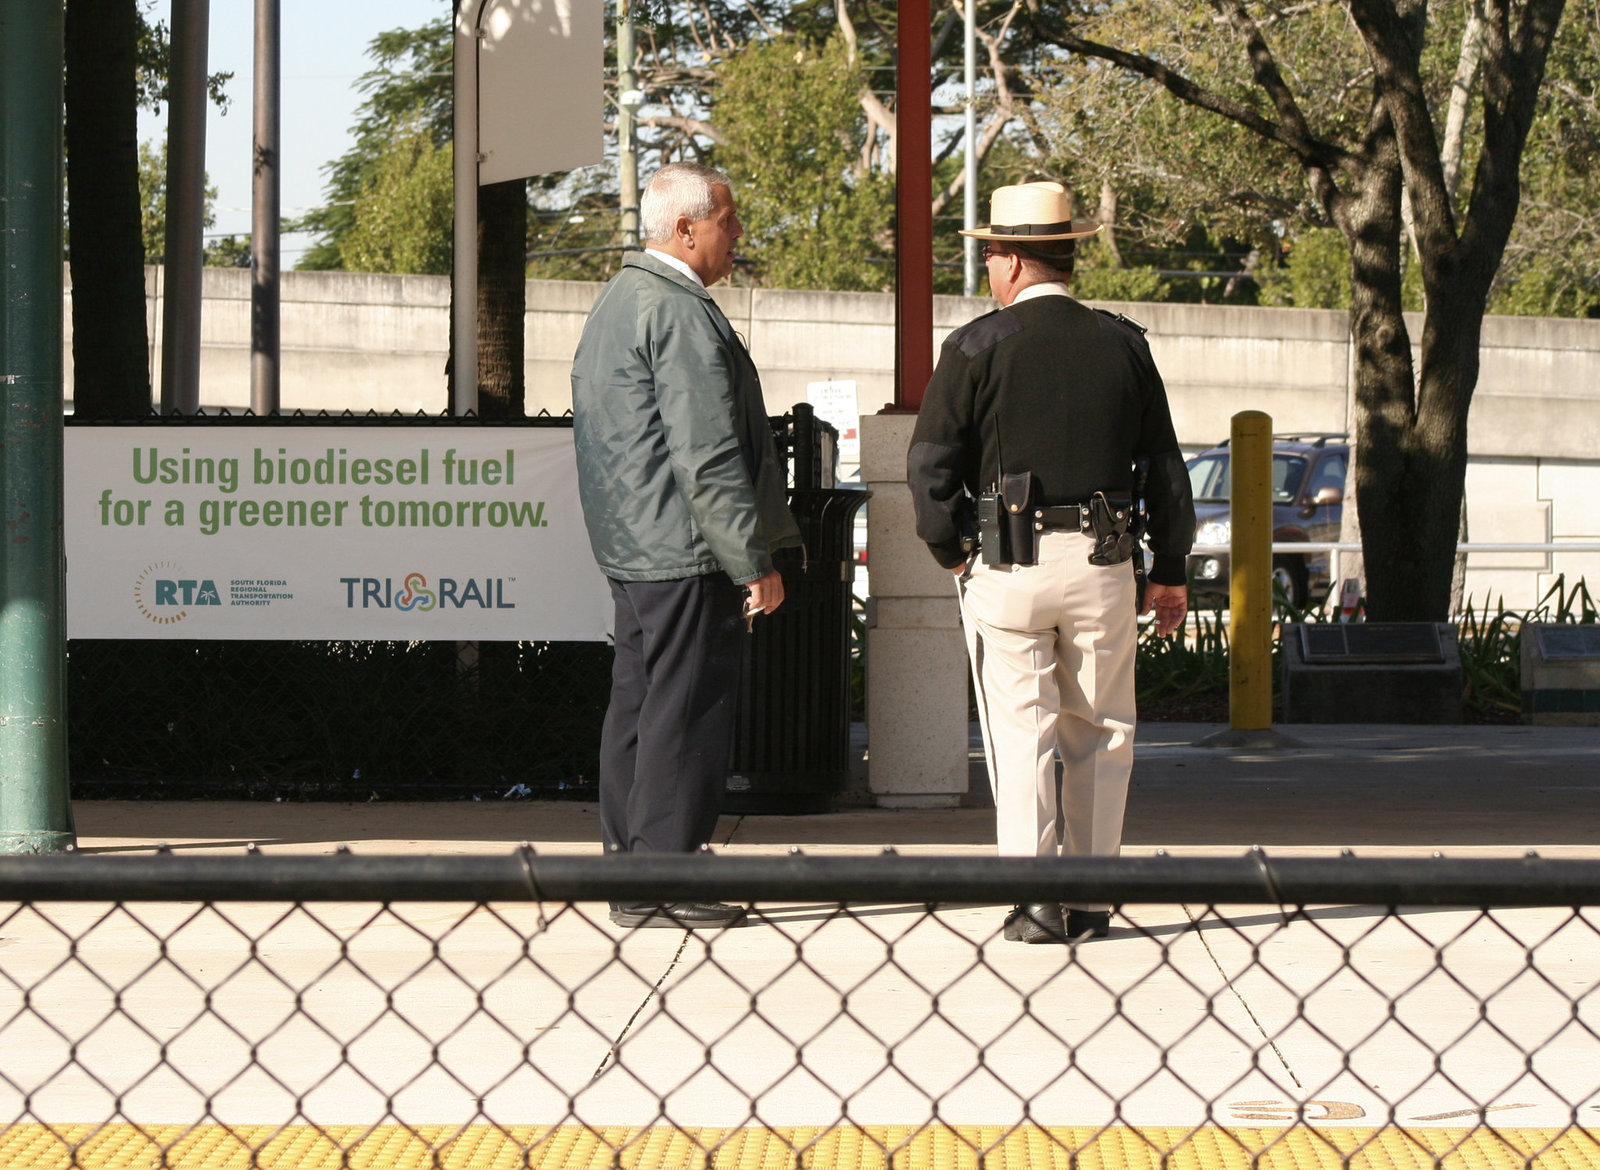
1120 319
987 331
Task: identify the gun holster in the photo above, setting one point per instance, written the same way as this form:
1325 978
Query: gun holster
1006 534
1112 525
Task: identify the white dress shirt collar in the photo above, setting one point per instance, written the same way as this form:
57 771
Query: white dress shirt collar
669 258
1048 288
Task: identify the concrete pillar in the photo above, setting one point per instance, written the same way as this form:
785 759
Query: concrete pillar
917 724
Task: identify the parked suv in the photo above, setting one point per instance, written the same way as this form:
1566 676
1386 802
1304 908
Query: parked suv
1308 473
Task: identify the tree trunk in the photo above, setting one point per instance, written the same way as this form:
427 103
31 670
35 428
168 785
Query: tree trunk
110 349
502 300
1412 462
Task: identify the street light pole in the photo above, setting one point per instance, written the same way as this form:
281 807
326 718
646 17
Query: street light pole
265 209
969 201
629 99
464 282
186 198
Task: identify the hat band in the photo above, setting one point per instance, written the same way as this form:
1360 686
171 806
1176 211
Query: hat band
1031 229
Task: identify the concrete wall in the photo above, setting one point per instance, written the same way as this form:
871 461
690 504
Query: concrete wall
363 342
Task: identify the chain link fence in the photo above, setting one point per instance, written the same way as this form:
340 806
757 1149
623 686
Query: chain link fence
198 1011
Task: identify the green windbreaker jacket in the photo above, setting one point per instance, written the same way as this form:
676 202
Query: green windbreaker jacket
677 471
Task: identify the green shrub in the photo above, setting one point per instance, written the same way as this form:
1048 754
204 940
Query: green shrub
1194 664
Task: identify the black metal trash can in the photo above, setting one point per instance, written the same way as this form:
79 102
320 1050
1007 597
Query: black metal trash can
791 748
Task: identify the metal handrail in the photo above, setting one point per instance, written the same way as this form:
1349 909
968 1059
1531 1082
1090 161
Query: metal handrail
1335 547
1585 546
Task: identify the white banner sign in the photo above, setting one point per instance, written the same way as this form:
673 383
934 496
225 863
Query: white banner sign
328 533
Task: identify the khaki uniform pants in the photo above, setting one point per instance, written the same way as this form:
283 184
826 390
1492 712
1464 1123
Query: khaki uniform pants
1052 649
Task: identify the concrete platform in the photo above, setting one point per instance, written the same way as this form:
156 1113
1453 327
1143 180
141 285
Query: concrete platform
1200 1034
1408 789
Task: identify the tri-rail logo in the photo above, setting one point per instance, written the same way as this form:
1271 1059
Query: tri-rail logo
415 594
164 593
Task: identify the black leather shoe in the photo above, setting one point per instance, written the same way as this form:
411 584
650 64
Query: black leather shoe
1087 924
678 915
1035 922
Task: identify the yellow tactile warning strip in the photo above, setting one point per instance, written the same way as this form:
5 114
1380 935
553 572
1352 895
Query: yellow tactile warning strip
884 1147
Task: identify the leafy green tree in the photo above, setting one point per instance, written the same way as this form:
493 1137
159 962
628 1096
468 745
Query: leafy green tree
408 93
410 99
117 61
789 115
1316 276
1099 276
228 252
1348 100
1549 268
402 219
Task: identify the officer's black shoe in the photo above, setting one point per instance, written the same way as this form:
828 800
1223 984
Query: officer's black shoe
1035 922
678 915
1086 924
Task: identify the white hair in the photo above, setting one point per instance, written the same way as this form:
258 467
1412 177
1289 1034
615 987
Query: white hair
678 189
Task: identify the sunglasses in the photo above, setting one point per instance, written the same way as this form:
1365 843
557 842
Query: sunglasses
989 250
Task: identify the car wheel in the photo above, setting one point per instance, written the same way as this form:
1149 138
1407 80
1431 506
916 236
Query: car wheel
1289 574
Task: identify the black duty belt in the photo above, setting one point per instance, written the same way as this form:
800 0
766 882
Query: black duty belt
1061 516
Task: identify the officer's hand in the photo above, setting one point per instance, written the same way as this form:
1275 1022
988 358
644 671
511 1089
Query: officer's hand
1171 605
765 593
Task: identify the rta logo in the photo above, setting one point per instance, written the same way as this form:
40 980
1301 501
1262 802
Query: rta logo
186 592
165 594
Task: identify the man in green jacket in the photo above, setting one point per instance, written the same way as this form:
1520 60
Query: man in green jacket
684 498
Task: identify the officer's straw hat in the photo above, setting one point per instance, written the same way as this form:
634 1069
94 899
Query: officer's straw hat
1032 213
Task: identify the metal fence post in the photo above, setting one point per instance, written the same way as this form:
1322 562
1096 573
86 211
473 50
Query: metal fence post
35 815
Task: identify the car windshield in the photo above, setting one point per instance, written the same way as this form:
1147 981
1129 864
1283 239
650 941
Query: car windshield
1211 484
1208 479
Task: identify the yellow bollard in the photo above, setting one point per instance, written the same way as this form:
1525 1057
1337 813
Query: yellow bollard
1250 573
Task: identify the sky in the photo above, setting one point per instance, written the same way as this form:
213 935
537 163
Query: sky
324 51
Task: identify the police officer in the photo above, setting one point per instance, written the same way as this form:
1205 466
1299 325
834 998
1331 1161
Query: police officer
1044 420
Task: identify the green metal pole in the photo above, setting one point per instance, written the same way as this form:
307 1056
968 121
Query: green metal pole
35 812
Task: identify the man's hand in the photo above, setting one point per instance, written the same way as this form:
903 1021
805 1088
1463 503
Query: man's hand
765 594
1171 603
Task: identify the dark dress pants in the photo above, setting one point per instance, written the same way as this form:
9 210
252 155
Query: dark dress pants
668 731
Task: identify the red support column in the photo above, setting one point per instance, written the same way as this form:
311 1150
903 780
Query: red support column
913 152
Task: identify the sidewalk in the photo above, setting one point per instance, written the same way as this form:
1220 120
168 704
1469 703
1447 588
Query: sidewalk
1382 789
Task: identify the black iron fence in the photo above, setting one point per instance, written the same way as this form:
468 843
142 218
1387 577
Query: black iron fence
199 1011
335 720
354 720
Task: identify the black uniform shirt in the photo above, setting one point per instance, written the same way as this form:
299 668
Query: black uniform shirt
1055 388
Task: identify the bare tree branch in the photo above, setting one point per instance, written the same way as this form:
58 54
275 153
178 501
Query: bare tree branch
760 20
1313 152
1513 65
879 116
1269 78
1005 105
690 126
1461 87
